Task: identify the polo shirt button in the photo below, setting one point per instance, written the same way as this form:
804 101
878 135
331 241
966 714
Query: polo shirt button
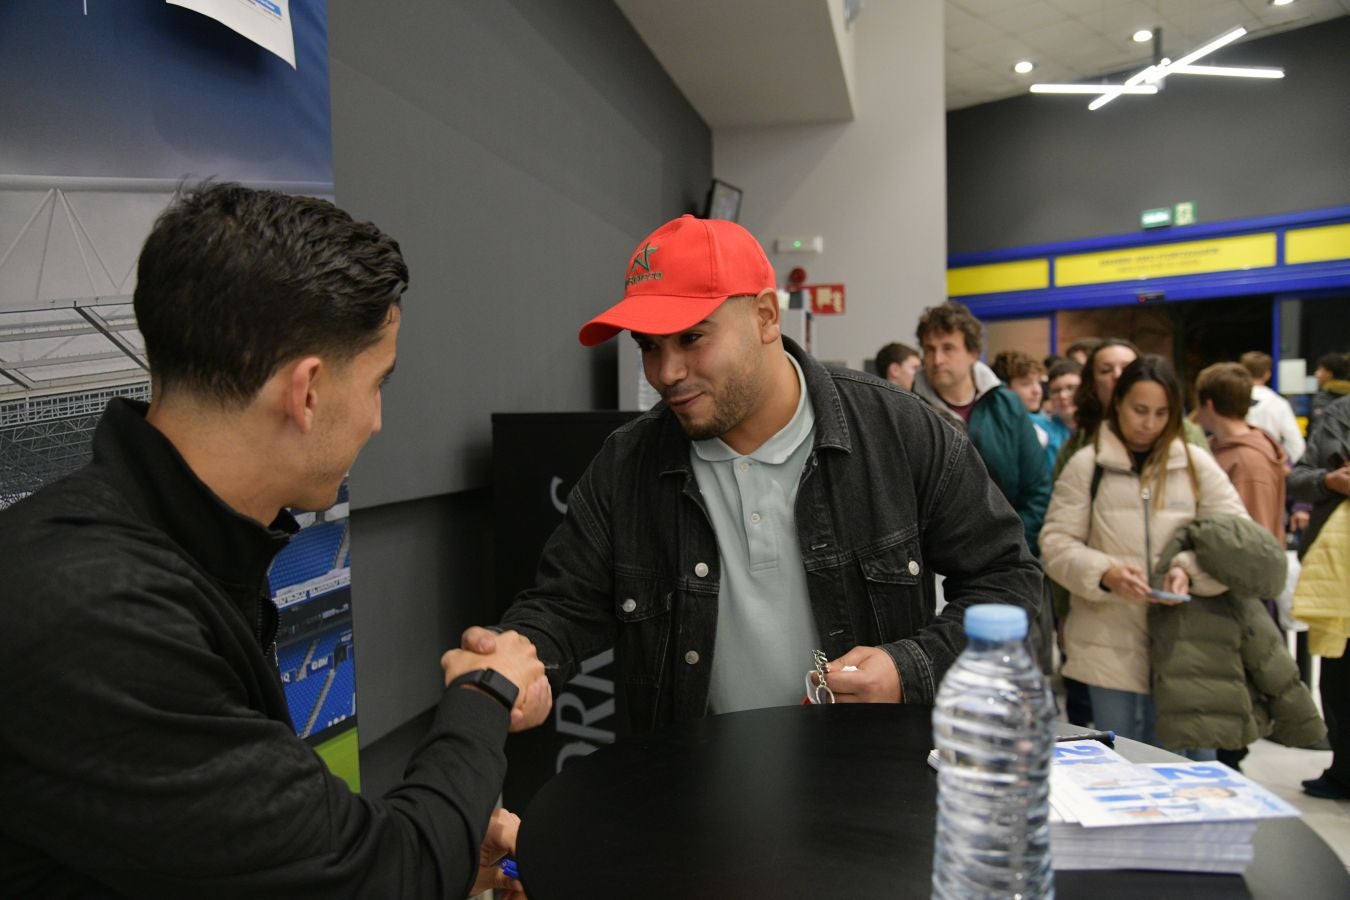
913 567
754 518
691 657
701 570
629 605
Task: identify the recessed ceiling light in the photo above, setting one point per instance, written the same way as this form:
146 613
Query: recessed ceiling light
1142 35
1280 2
1024 67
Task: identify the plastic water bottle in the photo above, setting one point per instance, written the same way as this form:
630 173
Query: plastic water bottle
993 726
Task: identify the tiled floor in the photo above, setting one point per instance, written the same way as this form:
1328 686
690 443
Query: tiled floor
1281 769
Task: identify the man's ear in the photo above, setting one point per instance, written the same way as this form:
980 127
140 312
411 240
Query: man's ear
300 390
767 315
892 372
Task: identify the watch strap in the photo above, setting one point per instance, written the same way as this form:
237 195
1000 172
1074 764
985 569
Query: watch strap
492 683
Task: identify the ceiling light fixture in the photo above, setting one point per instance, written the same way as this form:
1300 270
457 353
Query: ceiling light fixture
1280 2
1094 89
1150 79
1024 66
1143 35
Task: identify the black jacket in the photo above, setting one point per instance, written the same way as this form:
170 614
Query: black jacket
146 748
888 494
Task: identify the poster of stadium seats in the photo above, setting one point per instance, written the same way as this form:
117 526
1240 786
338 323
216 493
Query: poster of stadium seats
310 581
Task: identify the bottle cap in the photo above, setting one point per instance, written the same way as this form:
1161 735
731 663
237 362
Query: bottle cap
996 622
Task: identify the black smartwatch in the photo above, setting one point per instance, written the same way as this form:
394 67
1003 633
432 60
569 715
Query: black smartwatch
492 683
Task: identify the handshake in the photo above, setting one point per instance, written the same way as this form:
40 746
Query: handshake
513 656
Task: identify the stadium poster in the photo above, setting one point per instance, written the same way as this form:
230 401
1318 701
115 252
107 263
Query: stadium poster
311 584
143 98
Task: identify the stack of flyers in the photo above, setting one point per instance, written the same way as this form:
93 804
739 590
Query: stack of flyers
1109 813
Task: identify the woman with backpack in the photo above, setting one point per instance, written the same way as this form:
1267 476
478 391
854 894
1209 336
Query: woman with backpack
1117 503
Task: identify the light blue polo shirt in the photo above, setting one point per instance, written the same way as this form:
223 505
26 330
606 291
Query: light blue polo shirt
765 630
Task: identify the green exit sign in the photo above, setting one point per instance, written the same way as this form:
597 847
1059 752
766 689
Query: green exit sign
1178 214
1156 218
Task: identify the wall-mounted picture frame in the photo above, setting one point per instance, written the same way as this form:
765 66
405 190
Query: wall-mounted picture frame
724 201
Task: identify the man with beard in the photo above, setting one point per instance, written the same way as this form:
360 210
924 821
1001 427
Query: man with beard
769 507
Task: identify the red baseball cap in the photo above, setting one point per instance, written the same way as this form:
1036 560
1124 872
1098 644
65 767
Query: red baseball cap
679 274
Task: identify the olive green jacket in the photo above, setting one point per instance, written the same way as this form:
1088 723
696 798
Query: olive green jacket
1221 674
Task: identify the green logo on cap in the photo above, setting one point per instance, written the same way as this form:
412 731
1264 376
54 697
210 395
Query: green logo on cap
643 259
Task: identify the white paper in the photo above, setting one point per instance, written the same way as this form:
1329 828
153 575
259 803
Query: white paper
266 23
1293 376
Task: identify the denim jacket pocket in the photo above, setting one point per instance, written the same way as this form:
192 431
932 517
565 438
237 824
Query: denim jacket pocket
642 607
893 573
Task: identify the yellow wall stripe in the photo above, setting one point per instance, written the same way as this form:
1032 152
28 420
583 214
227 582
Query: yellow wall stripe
1164 260
1304 245
1022 275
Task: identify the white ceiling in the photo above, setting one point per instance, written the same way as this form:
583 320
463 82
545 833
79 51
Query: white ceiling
752 62
769 62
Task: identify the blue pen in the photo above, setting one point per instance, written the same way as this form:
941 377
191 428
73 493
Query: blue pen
508 867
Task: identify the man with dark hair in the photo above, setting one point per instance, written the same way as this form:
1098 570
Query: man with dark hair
970 395
1269 411
1333 382
148 747
897 363
768 507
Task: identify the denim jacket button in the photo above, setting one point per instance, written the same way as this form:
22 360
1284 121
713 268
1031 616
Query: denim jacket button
692 656
628 605
701 570
913 567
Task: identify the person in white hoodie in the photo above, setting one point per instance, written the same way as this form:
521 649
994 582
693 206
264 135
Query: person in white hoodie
1269 411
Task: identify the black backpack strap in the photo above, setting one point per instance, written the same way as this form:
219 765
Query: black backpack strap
1096 482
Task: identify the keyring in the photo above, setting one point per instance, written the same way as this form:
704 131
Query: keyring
820 691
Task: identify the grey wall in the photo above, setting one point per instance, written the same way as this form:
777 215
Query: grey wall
1036 169
518 151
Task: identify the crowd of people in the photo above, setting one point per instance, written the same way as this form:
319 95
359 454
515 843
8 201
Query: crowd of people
1166 535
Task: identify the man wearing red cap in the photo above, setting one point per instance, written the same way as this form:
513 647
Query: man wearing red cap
767 508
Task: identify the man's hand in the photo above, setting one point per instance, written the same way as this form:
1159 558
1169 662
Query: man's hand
478 640
533 705
875 681
1338 480
513 655
499 841
1128 582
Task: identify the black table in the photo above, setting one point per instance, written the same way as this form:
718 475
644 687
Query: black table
812 802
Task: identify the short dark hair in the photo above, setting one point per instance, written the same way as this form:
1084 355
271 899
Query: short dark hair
1087 345
952 316
1064 367
1229 386
893 353
1012 364
233 282
1338 364
1256 363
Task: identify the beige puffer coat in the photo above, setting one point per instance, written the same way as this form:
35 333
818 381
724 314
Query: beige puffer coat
1105 637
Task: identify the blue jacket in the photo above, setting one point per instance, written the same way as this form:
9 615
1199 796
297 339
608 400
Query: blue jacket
888 493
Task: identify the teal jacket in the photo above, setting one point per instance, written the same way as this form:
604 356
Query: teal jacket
1001 430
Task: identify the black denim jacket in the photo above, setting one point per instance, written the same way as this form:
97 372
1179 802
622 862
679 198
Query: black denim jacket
888 495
